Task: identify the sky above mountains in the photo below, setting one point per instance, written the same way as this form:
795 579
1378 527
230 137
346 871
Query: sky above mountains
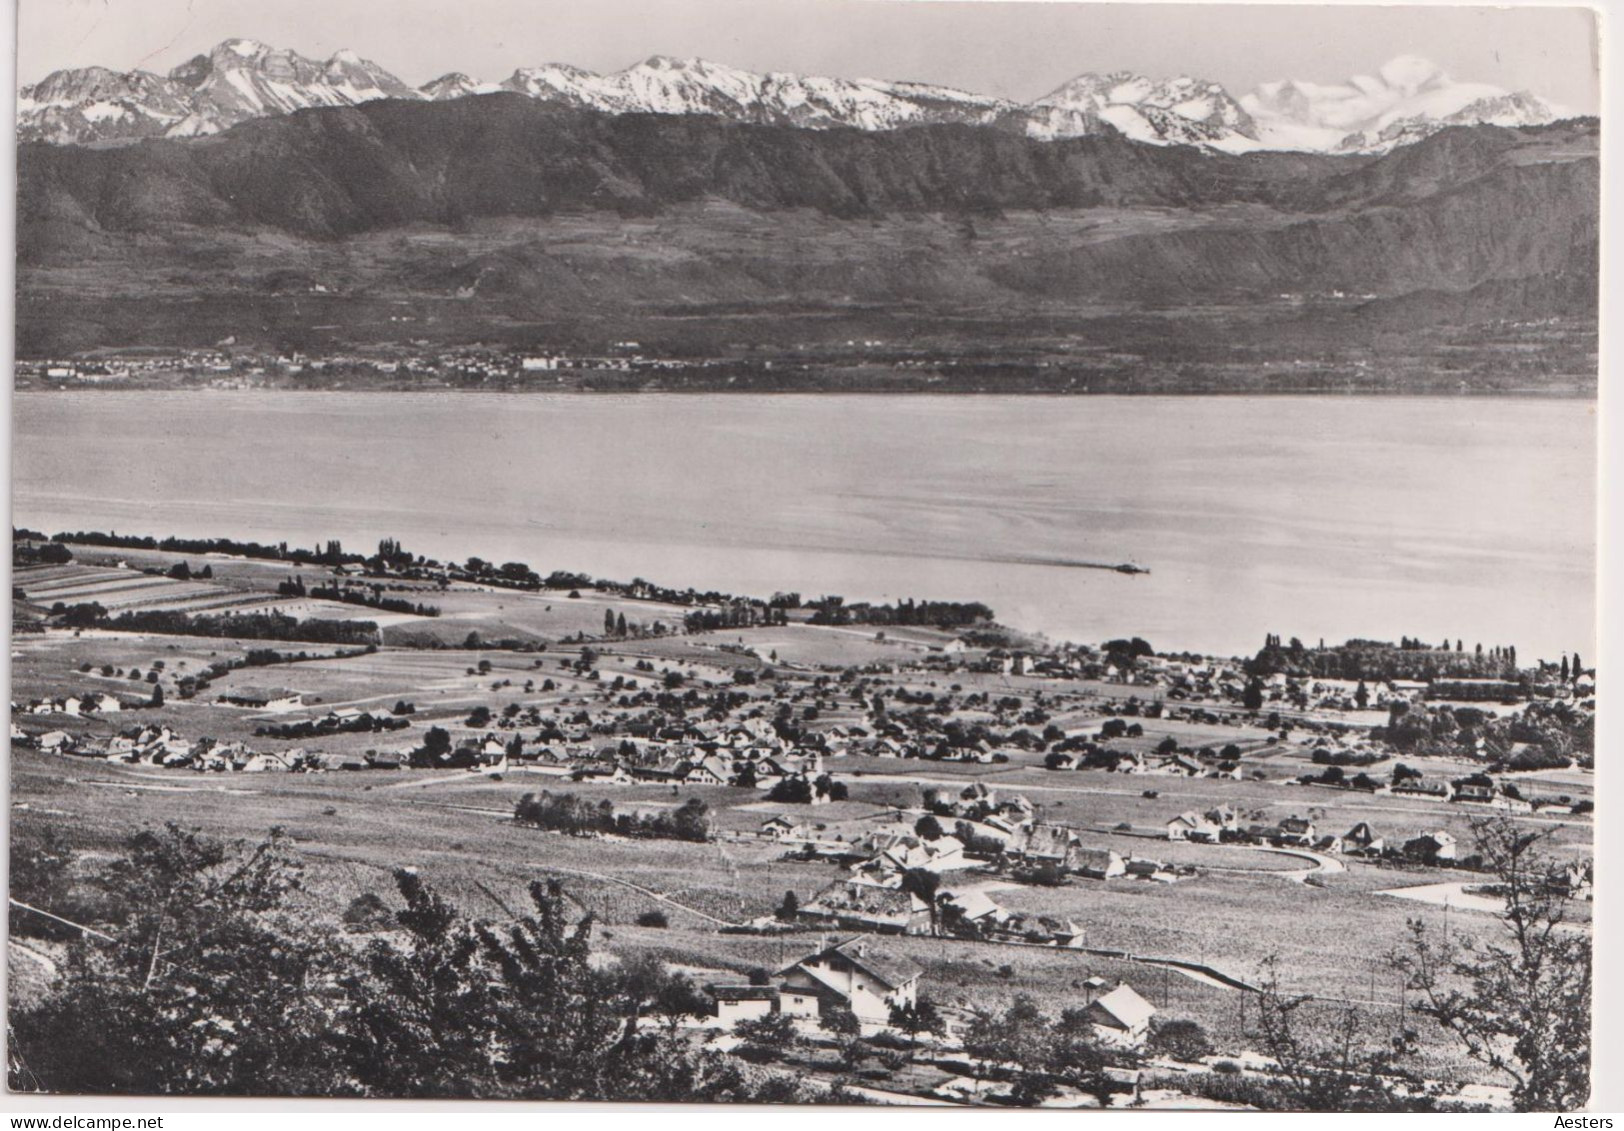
1009 49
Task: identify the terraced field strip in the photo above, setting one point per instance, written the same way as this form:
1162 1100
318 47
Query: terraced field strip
81 580
205 602
180 591
99 588
47 572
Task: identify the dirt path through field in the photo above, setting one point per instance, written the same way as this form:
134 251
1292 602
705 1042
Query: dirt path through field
43 961
650 892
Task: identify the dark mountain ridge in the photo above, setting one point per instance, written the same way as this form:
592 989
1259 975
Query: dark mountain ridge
335 172
541 208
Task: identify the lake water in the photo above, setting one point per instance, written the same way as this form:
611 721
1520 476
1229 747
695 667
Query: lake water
1310 517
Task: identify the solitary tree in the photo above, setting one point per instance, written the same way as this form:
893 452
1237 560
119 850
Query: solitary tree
921 1016
840 1020
1252 699
1181 1039
924 883
436 741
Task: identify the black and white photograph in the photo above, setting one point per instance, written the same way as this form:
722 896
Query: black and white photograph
865 553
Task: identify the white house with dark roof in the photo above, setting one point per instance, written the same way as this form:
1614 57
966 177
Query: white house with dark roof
778 827
1184 825
853 974
1121 1017
1362 840
972 905
743 1003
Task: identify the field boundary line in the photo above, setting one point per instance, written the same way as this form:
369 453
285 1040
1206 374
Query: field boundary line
651 893
59 919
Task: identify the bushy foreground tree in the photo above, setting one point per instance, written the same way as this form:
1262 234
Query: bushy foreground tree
1039 1055
1520 1004
1328 1057
214 983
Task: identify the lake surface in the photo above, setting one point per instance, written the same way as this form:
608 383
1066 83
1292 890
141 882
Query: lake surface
1312 517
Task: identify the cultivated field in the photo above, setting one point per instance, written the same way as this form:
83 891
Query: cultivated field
1328 924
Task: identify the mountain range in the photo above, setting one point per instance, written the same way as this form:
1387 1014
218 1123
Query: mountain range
240 80
501 217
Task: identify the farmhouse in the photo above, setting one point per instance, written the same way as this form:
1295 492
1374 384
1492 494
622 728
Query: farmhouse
777 828
902 853
972 906
743 1003
1121 1017
1296 830
1142 868
1361 840
1224 816
1429 848
1182 764
1032 928
1046 844
262 763
604 775
862 905
1184 825
1098 863
850 974
713 771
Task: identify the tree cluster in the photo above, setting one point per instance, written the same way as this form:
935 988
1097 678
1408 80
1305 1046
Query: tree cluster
935 614
212 986
568 813
364 723
242 626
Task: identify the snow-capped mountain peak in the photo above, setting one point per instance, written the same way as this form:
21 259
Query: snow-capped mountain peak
242 48
96 104
1180 110
1407 99
1403 101
455 85
664 84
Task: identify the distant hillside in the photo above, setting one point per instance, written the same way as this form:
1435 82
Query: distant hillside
547 210
338 172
